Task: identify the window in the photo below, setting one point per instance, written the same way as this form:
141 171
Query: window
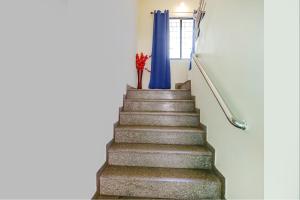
181 38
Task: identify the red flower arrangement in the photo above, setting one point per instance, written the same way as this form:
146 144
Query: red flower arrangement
140 61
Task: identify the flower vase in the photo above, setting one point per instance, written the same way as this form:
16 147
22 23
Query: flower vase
140 78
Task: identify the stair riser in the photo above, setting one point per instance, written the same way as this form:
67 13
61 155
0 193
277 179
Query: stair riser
159 106
159 120
128 198
152 94
170 189
168 160
159 137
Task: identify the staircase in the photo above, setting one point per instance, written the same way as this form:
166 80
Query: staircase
159 150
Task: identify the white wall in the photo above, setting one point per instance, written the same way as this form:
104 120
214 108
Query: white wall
145 32
231 48
281 102
64 66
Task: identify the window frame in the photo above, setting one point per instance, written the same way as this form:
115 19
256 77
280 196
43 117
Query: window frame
180 18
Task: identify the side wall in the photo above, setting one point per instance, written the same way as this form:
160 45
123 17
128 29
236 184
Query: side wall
64 69
231 49
145 32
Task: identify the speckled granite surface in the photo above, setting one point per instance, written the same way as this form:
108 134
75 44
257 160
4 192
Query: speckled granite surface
160 118
98 196
159 150
158 94
159 105
186 85
155 155
160 183
160 135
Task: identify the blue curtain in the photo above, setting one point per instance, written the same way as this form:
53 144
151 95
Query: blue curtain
160 66
193 45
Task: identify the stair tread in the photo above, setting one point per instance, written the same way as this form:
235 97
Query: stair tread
158 94
98 196
160 100
160 148
164 128
160 174
167 113
160 134
170 90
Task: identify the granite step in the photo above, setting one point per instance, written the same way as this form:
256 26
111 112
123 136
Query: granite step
160 135
159 94
160 118
169 183
98 196
186 85
159 105
159 155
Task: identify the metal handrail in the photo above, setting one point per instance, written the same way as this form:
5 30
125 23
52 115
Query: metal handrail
231 118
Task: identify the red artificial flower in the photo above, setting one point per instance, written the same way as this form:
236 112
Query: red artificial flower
141 61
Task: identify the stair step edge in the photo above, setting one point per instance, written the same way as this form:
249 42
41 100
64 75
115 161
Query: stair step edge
161 148
160 174
160 128
165 113
160 100
158 90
